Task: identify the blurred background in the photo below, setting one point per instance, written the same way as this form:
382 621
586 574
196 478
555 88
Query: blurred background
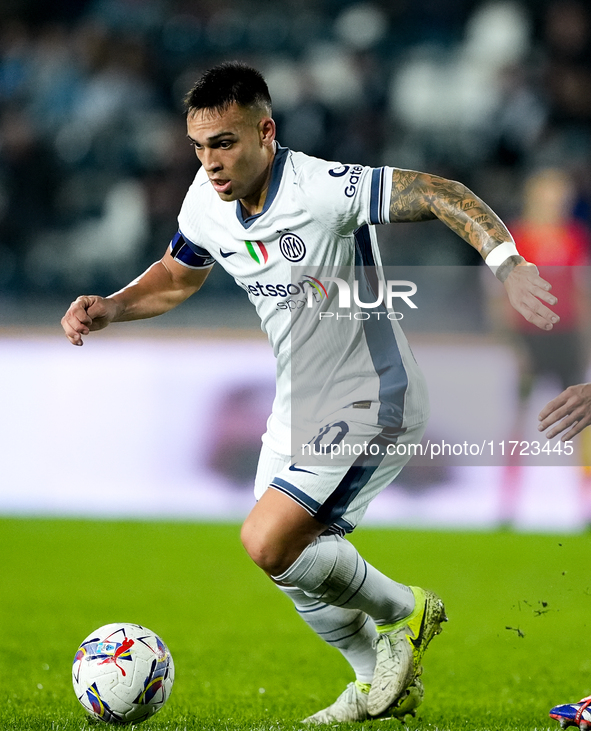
94 165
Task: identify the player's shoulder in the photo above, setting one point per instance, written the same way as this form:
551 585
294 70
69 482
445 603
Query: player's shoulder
340 194
319 180
308 167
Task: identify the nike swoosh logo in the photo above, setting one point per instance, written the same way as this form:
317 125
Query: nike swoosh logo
226 254
417 642
293 468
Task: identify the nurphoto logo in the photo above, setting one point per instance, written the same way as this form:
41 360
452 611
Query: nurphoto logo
392 289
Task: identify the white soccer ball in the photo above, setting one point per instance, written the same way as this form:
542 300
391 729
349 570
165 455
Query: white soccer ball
122 673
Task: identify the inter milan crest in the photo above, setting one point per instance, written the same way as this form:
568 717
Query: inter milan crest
292 247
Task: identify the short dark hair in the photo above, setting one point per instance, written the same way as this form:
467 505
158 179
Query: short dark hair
227 84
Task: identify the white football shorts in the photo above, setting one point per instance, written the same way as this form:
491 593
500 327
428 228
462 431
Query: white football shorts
348 464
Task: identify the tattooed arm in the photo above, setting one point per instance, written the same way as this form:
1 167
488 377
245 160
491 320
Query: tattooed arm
422 197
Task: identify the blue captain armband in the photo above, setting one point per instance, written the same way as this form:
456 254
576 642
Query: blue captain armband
189 254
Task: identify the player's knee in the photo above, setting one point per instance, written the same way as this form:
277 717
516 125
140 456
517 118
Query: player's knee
259 548
266 550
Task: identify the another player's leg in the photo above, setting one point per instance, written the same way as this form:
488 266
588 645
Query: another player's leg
574 714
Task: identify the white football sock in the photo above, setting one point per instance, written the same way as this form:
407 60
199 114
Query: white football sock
331 570
349 630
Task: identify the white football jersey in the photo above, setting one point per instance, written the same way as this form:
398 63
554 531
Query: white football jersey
317 221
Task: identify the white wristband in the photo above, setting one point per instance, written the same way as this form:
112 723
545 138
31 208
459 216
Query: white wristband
500 254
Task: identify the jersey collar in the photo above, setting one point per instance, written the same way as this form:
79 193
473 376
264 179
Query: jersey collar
276 175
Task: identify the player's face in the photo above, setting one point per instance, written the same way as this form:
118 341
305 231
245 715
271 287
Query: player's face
236 149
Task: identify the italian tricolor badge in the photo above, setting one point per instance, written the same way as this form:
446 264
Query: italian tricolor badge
257 251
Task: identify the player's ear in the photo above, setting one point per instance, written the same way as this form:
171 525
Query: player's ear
267 130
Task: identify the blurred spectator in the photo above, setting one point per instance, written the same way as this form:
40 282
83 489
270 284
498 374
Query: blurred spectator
548 234
520 119
29 179
568 43
15 47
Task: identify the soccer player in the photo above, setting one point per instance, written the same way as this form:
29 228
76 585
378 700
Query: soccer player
259 209
569 410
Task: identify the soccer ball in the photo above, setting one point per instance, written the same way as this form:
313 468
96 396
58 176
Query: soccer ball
122 673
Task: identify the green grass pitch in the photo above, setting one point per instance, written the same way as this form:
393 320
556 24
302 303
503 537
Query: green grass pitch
517 641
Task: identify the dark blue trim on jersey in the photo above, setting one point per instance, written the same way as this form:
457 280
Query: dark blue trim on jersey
341 527
380 338
355 479
338 526
298 495
189 253
376 200
276 175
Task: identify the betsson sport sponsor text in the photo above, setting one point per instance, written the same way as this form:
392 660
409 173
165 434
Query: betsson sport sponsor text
311 290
